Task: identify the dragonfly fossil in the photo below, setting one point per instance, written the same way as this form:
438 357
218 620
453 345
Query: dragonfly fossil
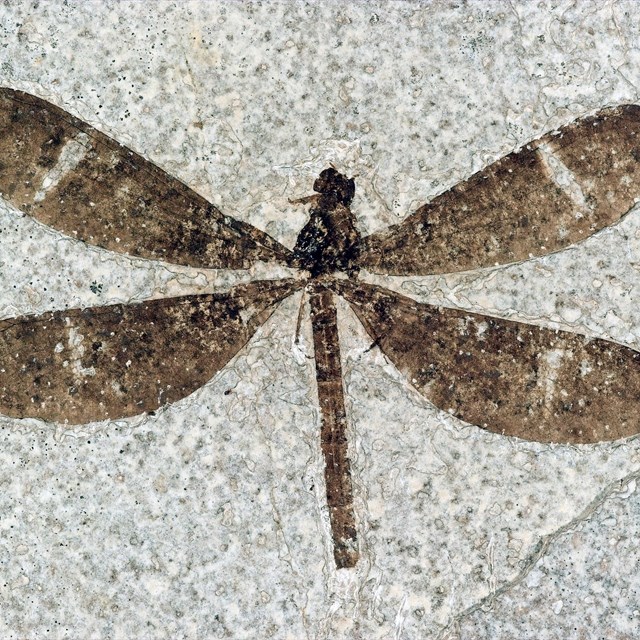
81 365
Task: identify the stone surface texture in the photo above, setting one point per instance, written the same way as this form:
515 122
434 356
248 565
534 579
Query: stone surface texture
208 519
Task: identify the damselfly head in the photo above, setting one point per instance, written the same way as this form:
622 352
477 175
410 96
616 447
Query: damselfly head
331 181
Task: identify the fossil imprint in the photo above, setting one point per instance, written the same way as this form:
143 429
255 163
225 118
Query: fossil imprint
82 365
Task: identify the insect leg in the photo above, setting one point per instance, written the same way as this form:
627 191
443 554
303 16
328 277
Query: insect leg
300 316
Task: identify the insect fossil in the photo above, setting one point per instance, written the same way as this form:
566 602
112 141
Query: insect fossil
516 379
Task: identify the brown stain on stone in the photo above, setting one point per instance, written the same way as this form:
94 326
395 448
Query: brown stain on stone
508 377
81 365
514 209
114 198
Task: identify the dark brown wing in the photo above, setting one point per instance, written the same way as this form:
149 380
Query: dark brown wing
75 179
508 377
551 193
102 363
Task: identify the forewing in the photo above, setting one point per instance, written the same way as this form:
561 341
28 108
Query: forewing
82 365
553 192
69 176
512 378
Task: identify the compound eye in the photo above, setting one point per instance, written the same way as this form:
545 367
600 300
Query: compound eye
348 190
